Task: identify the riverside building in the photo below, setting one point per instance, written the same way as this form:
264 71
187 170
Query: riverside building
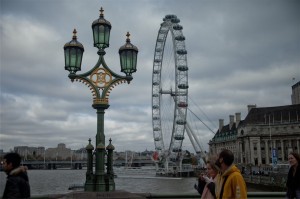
263 130
28 153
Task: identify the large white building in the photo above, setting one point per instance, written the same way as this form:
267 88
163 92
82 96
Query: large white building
59 153
28 153
264 129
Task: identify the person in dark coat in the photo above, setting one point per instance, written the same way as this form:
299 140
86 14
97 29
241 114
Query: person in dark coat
17 183
293 181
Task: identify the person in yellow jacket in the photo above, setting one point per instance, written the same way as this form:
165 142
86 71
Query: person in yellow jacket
230 183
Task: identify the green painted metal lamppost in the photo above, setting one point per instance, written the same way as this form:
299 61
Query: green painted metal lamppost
100 79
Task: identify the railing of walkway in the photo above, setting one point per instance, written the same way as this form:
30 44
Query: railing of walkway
264 195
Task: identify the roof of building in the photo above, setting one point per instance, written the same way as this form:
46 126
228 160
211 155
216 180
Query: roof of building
296 85
226 132
277 114
261 115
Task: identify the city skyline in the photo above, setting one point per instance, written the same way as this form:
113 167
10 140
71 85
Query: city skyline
239 53
56 147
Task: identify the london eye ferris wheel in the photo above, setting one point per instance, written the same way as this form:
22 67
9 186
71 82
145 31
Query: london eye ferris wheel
169 90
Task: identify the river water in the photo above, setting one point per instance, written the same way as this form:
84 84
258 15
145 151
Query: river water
132 180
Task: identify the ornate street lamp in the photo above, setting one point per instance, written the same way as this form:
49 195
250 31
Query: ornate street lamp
73 54
100 79
128 57
101 31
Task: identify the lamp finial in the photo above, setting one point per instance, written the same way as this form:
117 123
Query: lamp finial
101 12
74 33
128 35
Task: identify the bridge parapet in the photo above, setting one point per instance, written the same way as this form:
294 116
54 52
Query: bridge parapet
266 195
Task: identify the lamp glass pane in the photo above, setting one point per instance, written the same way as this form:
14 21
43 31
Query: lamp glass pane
123 60
101 36
79 58
67 57
72 57
95 34
129 60
107 35
134 60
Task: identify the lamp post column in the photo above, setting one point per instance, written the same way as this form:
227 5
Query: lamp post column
100 148
110 172
89 183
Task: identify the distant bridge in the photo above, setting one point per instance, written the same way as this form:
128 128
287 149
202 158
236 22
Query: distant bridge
79 164
54 164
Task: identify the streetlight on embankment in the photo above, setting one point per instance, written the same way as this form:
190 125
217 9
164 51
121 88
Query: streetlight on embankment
100 80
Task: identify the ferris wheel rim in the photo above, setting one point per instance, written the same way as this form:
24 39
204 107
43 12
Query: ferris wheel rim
180 95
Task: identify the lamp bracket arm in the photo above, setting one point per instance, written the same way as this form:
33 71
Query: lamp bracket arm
82 78
101 60
98 64
86 79
113 83
86 74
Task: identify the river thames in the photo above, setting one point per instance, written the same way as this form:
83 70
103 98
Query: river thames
132 180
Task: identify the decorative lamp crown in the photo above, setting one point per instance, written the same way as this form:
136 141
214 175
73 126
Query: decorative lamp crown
101 31
73 54
128 57
110 146
89 146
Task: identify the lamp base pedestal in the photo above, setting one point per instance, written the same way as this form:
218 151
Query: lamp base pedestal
110 183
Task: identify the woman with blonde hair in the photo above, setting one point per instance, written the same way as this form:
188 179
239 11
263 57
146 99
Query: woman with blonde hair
206 182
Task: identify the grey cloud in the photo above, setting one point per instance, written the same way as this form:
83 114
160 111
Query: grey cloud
239 53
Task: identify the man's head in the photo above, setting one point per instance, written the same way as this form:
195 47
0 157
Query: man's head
11 161
225 159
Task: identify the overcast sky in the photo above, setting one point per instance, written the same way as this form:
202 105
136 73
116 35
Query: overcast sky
239 53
